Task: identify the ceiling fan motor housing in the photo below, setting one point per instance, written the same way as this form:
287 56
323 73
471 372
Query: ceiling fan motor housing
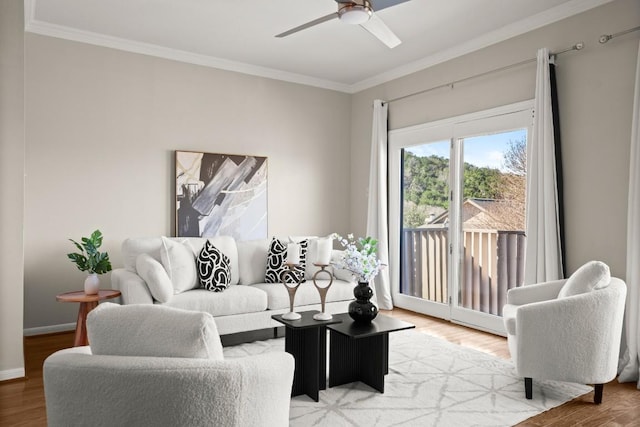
358 12
355 12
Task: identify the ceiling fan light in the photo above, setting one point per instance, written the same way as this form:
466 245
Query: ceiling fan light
355 14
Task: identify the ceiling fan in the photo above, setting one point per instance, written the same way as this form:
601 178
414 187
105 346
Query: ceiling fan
360 12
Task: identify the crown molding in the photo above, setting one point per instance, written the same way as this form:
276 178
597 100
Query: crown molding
63 32
531 23
539 20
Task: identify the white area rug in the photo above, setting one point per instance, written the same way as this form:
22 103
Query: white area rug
431 382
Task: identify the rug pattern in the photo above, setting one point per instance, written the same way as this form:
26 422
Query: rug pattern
431 382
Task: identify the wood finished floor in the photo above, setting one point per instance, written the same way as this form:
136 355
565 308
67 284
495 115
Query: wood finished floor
22 401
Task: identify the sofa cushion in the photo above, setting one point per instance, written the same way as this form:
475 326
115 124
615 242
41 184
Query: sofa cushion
252 261
134 246
340 273
592 275
278 297
227 245
214 272
178 259
234 300
155 276
277 258
152 330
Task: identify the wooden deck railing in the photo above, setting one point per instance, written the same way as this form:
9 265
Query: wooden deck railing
493 262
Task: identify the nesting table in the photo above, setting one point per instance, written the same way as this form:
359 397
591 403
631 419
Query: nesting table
306 340
360 352
357 352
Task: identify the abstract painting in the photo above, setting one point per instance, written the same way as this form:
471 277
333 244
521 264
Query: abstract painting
221 195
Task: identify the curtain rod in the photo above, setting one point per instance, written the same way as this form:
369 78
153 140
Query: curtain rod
576 46
606 37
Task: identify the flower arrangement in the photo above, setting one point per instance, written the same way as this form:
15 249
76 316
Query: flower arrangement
359 257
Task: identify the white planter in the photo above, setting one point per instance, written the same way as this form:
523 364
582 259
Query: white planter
91 284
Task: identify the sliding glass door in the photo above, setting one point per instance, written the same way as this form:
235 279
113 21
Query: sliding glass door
424 240
492 222
457 192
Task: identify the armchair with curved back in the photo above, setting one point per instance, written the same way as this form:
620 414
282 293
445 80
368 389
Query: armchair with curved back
567 330
149 365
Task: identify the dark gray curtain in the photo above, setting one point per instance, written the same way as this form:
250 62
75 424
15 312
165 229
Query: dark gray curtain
559 177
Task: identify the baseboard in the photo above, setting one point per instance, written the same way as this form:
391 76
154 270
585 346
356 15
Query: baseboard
12 374
41 330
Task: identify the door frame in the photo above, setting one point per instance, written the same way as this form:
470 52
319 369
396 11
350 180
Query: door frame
451 129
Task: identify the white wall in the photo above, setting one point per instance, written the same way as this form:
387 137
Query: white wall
595 88
11 187
101 129
102 125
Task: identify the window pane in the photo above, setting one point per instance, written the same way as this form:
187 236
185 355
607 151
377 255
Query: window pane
493 219
424 241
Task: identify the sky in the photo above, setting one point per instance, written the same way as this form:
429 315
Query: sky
482 151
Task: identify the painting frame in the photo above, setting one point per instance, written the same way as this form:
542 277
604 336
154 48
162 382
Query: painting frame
219 194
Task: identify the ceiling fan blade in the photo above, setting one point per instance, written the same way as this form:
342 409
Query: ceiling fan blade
309 24
380 30
383 4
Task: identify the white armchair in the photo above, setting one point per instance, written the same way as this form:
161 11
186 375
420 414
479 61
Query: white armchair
187 384
566 333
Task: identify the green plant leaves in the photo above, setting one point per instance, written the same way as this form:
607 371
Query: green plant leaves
90 259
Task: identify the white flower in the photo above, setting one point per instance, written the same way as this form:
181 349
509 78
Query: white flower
359 257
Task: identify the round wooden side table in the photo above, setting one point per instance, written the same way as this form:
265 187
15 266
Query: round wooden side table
87 303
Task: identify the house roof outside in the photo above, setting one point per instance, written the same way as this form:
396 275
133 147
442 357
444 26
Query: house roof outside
505 215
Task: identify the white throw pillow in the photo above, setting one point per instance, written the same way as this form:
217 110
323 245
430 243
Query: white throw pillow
313 251
134 246
152 331
252 261
179 261
298 239
340 273
592 275
156 277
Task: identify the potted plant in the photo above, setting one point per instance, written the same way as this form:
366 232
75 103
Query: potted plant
91 260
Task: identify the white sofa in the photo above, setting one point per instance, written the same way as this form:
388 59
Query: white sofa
248 303
157 366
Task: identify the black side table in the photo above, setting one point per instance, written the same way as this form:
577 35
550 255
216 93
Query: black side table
360 352
306 340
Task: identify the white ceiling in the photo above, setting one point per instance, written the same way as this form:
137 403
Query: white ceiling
238 35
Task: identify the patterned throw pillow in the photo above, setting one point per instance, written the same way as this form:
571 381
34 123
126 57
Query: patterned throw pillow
214 272
277 260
